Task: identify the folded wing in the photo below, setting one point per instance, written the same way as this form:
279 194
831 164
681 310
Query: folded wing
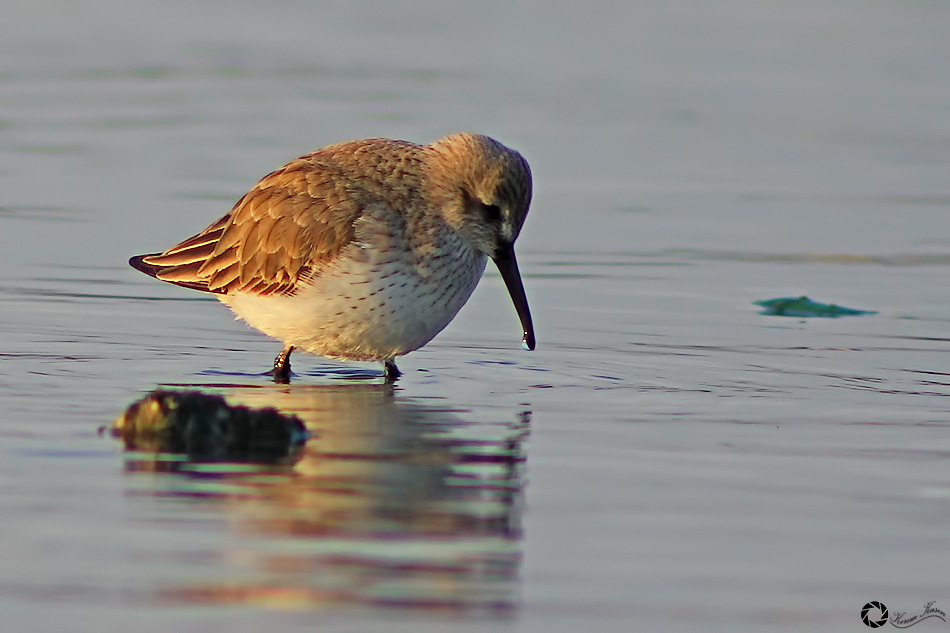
293 222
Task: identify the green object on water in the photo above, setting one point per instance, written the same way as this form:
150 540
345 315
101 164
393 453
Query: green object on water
802 307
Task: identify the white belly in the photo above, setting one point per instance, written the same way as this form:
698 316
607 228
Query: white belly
374 303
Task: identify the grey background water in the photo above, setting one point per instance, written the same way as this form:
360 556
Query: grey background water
683 462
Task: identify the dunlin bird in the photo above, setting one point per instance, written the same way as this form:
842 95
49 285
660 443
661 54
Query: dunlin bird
363 250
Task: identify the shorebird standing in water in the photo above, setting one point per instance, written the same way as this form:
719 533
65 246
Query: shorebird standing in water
363 250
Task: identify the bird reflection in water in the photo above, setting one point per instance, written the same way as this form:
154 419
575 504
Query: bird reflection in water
380 501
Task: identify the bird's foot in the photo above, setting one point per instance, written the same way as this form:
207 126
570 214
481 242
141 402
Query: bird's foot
281 371
390 371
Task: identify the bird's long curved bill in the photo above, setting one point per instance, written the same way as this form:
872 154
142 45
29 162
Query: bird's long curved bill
508 267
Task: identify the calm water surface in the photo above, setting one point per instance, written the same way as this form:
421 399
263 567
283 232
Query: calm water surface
667 459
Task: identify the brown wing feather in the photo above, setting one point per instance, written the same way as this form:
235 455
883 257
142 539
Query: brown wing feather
294 221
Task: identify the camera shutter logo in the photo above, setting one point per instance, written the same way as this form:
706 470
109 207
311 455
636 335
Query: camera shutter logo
874 604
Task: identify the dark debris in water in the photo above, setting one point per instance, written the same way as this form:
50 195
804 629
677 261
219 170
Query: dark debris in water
803 307
205 427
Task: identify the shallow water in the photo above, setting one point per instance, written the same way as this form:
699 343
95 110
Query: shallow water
667 458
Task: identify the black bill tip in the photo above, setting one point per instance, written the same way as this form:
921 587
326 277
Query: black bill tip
508 267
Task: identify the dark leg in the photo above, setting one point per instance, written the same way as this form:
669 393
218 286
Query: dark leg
281 371
390 371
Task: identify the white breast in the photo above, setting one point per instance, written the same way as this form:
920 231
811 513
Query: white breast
388 294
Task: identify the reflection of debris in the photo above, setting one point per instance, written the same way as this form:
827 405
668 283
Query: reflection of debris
206 428
802 307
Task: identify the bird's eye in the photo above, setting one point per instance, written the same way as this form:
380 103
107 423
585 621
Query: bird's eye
493 212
